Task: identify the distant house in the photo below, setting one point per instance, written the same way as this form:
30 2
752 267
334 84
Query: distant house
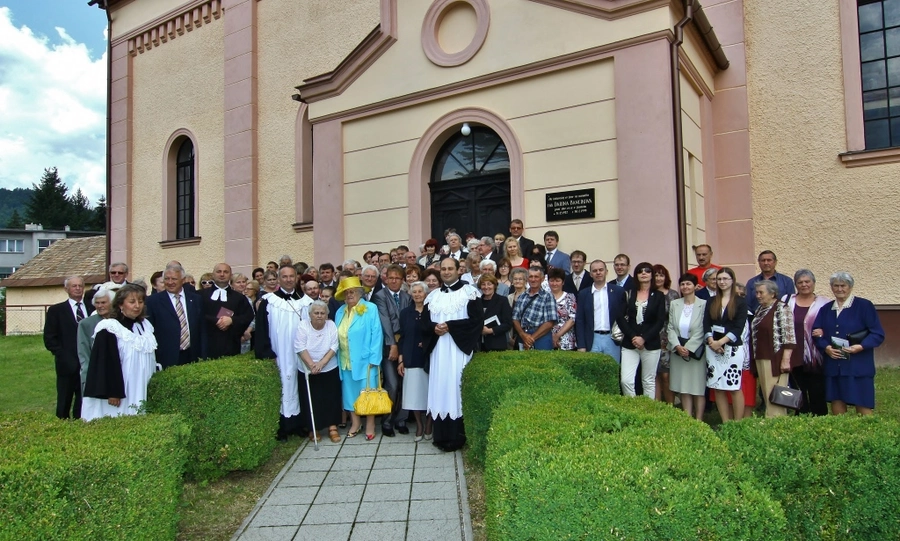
18 246
38 284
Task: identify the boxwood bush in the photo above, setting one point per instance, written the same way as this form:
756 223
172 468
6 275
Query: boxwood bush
837 477
114 478
232 405
490 375
565 462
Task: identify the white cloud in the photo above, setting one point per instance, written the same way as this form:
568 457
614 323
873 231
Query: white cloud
52 110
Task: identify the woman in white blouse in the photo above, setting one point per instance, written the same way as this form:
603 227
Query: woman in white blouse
316 345
687 374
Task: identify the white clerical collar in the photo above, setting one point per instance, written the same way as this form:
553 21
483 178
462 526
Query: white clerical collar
220 294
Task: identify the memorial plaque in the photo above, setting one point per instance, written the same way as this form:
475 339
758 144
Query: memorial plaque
574 205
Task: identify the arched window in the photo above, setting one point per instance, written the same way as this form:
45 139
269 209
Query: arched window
470 184
184 191
480 153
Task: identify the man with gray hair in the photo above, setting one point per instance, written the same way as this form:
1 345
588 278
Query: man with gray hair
486 250
351 265
176 319
454 248
118 274
489 268
61 339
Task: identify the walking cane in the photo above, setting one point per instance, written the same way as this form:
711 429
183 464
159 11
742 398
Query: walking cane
312 418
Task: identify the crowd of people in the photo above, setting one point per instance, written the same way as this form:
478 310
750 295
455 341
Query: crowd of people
413 320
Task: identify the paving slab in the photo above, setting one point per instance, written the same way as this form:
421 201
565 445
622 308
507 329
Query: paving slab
387 488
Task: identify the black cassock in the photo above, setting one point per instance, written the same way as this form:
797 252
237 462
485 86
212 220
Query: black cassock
219 343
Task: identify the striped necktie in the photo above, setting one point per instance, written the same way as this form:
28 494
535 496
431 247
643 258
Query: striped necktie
79 313
185 334
397 300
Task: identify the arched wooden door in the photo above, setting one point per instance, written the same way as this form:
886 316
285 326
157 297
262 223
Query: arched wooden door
470 185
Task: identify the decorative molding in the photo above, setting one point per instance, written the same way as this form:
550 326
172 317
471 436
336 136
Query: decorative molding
426 151
862 158
192 241
303 228
516 73
364 55
303 168
852 70
171 25
688 66
606 9
431 27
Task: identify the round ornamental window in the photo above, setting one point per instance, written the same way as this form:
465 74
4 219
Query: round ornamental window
454 30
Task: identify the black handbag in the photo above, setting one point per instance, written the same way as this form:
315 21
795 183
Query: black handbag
786 397
696 355
857 337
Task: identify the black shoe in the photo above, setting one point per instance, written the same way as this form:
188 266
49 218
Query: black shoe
281 438
387 431
402 429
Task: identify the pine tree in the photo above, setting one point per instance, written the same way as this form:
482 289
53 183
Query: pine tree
49 204
15 221
99 221
82 215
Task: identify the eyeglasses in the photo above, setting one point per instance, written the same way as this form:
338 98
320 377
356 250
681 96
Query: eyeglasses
206 282
646 269
116 272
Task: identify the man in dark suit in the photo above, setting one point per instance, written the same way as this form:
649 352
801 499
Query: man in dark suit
371 278
555 257
455 248
621 266
606 300
516 229
176 318
579 278
486 250
226 315
389 301
61 339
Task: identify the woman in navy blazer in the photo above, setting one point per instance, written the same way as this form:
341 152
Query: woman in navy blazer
848 330
641 343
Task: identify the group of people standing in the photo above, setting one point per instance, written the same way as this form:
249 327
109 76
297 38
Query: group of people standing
415 320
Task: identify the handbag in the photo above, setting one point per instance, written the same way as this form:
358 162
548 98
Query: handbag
857 337
786 397
373 401
696 355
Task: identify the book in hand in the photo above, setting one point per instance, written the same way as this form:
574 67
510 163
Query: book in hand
492 322
224 312
839 344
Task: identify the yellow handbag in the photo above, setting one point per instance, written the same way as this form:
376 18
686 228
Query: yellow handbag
373 401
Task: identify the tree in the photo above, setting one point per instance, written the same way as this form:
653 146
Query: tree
82 215
49 204
98 222
15 221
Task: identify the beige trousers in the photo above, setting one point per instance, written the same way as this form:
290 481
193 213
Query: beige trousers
766 382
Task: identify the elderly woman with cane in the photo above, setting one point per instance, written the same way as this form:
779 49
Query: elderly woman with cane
316 345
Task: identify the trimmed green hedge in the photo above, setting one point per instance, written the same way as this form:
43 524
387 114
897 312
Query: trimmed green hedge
232 405
113 478
488 377
838 477
564 462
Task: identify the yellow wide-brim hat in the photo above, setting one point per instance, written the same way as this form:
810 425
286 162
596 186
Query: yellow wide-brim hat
348 283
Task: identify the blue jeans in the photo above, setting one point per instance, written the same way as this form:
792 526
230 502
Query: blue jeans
603 343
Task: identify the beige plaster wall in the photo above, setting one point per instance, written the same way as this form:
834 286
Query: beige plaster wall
567 138
520 33
297 40
807 207
34 300
135 14
179 85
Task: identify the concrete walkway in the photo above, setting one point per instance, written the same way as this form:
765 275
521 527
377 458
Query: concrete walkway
388 488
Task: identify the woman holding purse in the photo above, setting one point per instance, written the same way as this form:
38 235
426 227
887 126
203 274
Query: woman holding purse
772 332
687 362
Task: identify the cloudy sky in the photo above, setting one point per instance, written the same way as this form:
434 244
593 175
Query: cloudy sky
53 93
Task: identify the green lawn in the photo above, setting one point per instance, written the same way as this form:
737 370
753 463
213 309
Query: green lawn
28 375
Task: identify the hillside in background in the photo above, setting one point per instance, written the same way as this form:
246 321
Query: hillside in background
15 199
